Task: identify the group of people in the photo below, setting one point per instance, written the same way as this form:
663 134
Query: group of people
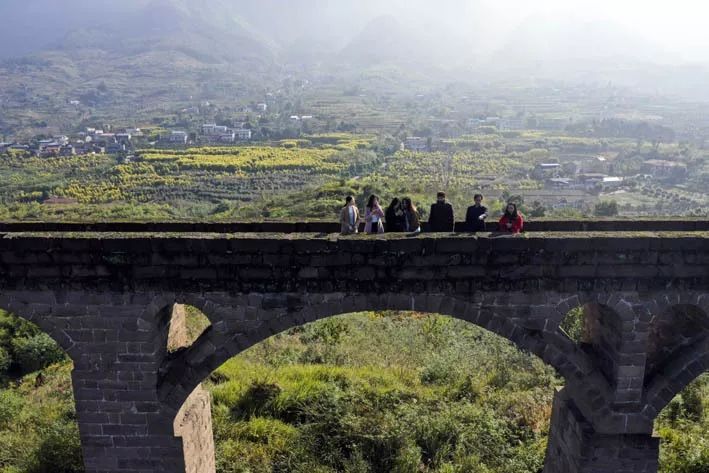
402 216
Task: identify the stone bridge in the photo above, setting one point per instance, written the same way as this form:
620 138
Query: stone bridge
106 292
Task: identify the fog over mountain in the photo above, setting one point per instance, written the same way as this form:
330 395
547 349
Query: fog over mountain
566 40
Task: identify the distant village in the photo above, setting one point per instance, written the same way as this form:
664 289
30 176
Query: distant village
105 141
573 181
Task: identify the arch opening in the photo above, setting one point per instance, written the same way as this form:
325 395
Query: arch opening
382 391
238 325
187 324
676 334
38 420
596 329
193 422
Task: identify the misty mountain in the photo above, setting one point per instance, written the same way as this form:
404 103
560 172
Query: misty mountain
385 39
209 29
544 44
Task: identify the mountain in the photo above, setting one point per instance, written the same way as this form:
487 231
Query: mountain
566 46
209 28
386 39
121 58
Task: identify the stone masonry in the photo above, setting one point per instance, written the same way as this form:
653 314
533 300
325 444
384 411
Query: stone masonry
193 423
107 298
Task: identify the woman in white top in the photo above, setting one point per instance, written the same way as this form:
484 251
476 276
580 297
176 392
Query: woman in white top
373 215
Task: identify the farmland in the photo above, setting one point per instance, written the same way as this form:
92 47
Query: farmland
307 178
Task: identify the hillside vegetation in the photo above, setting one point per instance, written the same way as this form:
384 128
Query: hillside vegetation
362 393
308 178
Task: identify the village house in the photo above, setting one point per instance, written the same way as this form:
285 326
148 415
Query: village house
546 170
178 137
46 150
243 134
115 147
212 129
67 150
669 170
512 124
124 138
212 133
416 143
477 123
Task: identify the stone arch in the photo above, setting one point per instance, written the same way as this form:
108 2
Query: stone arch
602 335
679 328
239 322
678 353
40 309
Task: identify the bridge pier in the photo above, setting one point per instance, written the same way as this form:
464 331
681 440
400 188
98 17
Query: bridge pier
117 352
575 446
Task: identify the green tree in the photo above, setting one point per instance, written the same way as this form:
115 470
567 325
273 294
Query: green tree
608 208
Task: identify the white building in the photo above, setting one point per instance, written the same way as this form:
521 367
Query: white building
243 134
416 143
212 129
178 137
512 124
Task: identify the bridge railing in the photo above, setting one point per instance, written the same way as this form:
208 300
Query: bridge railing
595 225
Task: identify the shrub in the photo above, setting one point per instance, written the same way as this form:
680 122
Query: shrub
606 209
36 352
60 451
5 361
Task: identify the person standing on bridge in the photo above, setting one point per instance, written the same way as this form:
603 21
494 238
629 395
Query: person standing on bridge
476 215
512 220
412 222
349 217
441 218
394 217
373 215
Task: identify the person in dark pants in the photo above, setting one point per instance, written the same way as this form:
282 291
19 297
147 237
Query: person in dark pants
476 215
394 217
441 218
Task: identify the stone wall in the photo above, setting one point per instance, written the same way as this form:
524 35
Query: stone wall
193 423
272 263
536 225
574 445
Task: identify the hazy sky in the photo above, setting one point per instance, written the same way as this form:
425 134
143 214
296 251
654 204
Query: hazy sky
675 27
678 26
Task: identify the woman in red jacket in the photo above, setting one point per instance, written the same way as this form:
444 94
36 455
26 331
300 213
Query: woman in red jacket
512 221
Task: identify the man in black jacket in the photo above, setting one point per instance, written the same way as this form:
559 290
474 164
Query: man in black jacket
441 218
476 215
